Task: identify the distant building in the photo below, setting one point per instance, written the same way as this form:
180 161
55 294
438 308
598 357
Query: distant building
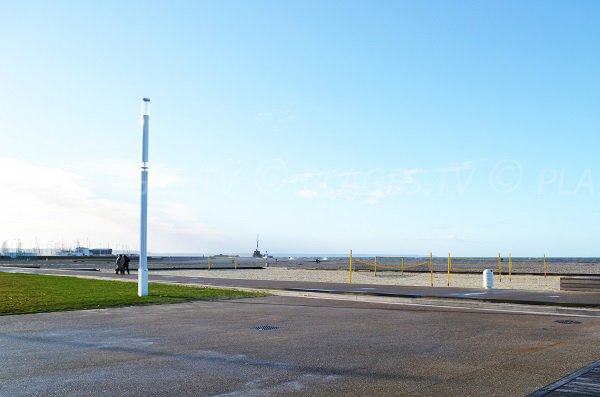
101 252
20 254
78 251
84 251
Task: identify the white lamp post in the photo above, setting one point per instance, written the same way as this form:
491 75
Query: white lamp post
143 268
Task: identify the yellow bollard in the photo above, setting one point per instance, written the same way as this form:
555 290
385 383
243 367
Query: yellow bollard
449 265
350 267
375 266
499 267
509 267
209 262
402 274
431 269
545 267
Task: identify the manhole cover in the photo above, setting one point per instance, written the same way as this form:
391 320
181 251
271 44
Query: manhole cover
265 327
568 322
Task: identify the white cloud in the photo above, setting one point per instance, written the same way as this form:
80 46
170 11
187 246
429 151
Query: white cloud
125 174
55 205
279 116
458 167
260 116
375 196
370 187
308 193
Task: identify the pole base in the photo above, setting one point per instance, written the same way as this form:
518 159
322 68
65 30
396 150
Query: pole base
143 282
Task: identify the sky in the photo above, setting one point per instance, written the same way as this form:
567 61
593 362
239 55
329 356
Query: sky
386 127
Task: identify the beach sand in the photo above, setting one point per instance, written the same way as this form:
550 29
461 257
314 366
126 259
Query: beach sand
522 282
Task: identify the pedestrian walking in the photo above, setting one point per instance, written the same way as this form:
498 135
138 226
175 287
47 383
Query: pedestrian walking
119 264
126 261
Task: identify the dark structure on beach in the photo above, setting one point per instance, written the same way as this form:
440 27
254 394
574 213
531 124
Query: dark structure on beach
257 253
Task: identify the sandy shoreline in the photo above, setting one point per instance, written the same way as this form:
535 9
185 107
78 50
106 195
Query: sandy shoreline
523 282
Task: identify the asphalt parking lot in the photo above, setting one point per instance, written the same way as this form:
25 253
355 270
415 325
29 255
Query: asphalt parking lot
276 346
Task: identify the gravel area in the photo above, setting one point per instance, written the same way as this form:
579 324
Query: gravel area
524 282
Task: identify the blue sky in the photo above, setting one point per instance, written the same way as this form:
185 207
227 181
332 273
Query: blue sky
387 127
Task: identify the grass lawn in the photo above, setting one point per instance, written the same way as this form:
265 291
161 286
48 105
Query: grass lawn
32 293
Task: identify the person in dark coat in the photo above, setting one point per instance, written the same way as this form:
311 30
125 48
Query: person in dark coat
126 261
119 264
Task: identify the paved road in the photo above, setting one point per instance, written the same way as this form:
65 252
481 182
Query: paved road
293 346
283 346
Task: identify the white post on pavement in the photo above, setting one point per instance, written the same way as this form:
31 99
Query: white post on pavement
143 268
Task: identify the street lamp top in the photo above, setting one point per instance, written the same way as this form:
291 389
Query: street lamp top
146 107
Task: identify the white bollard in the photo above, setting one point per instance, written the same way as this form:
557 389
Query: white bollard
488 279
